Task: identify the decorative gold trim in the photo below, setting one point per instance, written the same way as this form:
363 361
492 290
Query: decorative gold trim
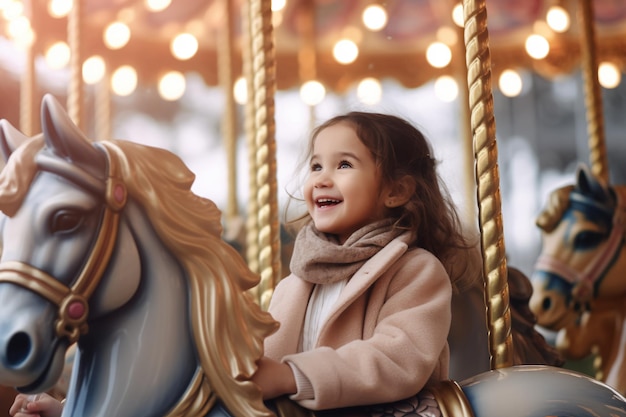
451 399
35 280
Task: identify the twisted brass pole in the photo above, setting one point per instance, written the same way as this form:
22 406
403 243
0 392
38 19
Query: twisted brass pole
593 97
264 84
478 59
252 228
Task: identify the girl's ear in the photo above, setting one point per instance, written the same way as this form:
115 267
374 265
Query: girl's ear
400 192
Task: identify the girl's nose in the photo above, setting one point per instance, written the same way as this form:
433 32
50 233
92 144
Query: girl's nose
322 180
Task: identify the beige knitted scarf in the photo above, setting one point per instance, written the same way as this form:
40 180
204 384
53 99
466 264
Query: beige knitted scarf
319 258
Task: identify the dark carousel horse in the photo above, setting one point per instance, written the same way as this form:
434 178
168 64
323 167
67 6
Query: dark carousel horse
104 245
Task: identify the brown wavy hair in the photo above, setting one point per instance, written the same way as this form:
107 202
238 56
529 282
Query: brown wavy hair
400 149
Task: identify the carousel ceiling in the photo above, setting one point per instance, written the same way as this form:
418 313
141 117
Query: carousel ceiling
306 31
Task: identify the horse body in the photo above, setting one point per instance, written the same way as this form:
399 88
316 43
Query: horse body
141 349
579 283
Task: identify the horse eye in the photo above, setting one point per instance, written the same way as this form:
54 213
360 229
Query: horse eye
65 221
588 240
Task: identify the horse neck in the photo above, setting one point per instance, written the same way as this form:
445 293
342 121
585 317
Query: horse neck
138 360
613 285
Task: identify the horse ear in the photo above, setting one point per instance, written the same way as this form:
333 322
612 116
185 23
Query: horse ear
588 184
66 140
10 139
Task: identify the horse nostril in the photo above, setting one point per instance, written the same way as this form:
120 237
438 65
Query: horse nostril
547 303
18 349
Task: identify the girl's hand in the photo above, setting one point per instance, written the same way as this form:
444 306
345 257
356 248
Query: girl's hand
39 405
274 378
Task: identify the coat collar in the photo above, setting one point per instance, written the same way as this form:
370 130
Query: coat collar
369 273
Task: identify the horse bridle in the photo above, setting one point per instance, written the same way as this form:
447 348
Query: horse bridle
583 282
73 301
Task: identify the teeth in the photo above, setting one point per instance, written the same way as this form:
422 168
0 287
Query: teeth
327 201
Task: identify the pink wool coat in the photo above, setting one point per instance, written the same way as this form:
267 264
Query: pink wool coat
385 339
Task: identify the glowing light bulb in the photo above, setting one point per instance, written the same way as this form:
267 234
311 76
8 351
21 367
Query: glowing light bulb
60 8
94 69
157 5
124 80
558 19
374 17
345 51
438 54
278 5
537 46
58 55
510 83
240 91
446 88
457 15
609 75
184 46
312 92
369 91
172 86
116 35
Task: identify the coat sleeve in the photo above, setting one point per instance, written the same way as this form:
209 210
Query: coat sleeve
406 349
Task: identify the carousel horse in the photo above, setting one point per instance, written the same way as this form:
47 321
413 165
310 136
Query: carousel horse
579 282
105 247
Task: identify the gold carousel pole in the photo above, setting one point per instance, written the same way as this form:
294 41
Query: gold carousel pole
483 127
229 121
103 107
307 54
27 84
75 89
469 212
252 227
593 97
264 87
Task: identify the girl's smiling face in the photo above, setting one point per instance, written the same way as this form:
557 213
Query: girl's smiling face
343 191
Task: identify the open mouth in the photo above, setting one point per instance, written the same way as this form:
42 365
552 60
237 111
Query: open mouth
326 202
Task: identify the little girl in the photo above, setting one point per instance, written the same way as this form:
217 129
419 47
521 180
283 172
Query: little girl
366 311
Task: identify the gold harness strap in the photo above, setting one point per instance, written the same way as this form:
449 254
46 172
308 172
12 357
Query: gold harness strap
73 301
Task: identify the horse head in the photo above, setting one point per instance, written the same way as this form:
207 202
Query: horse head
60 204
105 244
582 254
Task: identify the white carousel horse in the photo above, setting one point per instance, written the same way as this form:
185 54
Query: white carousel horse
579 282
104 244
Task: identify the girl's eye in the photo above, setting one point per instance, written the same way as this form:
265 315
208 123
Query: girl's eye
316 167
345 164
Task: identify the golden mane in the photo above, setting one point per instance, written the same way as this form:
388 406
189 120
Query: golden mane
229 328
17 175
558 201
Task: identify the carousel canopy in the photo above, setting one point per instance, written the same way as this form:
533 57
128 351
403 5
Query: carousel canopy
307 34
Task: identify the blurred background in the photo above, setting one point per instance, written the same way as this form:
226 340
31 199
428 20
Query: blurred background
162 72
